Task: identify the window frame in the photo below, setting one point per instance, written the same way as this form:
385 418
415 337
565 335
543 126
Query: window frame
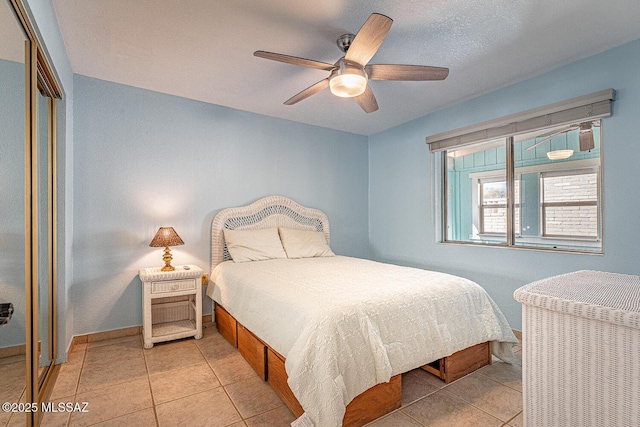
482 206
481 224
511 173
597 203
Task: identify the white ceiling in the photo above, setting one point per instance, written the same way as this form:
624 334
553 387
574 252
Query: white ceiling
203 49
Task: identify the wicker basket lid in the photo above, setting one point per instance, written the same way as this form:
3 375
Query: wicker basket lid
609 297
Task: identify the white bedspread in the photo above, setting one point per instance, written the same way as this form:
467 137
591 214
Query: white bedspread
347 324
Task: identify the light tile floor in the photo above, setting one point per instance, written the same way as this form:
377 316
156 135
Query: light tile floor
12 382
207 383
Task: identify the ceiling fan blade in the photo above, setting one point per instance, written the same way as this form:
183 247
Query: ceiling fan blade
367 101
548 138
287 59
311 90
369 39
557 131
405 72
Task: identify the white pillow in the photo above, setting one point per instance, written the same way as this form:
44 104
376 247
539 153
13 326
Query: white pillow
304 243
254 245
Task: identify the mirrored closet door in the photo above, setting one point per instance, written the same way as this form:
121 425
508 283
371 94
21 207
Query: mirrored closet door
45 137
13 170
28 92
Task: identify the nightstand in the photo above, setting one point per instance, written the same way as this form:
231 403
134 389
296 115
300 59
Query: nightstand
171 303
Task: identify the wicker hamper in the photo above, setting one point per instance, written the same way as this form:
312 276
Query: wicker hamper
581 350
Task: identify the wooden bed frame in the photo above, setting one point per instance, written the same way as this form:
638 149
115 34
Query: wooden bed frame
364 408
278 211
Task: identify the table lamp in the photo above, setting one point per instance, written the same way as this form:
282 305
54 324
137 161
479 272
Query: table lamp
166 236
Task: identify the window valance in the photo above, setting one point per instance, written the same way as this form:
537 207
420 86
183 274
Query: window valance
576 110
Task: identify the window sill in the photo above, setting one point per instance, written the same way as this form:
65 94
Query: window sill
595 250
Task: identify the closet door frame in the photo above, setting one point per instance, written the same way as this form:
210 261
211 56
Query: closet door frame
39 76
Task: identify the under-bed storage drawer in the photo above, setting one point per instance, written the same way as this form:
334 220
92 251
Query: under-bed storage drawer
253 350
368 406
250 346
227 325
277 379
461 363
374 403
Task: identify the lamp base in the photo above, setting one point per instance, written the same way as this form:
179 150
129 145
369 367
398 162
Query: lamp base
167 260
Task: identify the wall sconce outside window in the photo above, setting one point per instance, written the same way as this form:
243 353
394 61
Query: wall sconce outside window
559 154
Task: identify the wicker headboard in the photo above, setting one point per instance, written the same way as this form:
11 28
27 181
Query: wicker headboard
272 211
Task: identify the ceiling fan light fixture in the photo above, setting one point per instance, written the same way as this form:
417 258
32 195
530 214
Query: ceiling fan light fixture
348 85
559 154
348 80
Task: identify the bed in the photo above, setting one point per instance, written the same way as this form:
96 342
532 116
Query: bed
333 334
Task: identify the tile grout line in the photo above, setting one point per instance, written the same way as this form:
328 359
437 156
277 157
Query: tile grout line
219 381
482 410
122 415
463 400
189 394
224 387
501 383
408 415
513 418
110 384
422 397
75 394
207 361
146 367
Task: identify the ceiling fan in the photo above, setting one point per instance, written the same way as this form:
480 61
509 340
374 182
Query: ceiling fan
349 76
585 137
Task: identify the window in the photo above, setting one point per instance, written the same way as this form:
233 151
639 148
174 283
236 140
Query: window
531 179
570 204
556 201
493 206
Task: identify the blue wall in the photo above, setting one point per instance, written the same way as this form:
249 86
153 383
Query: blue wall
402 228
143 160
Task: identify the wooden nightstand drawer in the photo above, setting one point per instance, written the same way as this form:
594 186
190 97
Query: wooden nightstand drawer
172 286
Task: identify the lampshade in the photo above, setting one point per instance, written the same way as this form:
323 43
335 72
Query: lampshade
348 80
559 154
166 236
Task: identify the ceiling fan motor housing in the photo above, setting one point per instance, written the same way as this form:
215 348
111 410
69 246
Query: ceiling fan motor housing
344 41
585 137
